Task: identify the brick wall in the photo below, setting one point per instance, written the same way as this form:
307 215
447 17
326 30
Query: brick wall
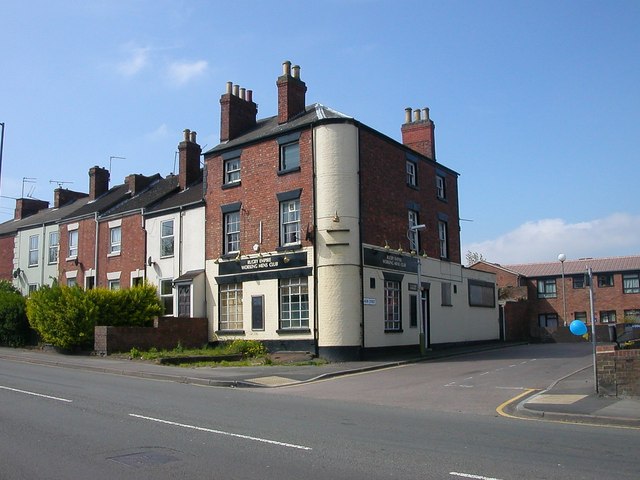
257 191
618 371
131 255
166 333
7 246
86 253
385 199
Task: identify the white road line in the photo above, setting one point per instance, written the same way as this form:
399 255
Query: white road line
220 432
36 394
485 373
469 475
512 388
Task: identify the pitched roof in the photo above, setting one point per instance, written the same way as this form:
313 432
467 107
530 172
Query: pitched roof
155 192
269 127
178 198
46 216
572 267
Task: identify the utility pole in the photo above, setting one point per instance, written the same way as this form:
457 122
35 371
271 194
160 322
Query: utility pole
1 149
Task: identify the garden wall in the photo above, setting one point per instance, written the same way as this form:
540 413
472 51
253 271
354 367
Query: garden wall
166 333
618 371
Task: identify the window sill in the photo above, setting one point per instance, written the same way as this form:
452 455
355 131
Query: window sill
292 331
442 199
113 254
394 331
293 246
413 187
229 332
226 186
71 259
288 170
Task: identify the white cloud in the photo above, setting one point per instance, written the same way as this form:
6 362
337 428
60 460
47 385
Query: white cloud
138 59
542 240
158 134
183 72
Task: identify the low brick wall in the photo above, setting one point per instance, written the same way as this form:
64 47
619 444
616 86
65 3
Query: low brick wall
618 371
166 333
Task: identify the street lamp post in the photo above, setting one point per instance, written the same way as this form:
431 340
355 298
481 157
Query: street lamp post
1 149
593 328
562 257
413 229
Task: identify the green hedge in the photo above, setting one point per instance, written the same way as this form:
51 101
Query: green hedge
14 327
66 316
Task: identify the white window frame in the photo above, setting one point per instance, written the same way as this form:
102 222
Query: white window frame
115 240
290 153
232 232
441 190
414 235
231 307
232 172
290 222
392 306
54 246
547 288
443 239
73 243
114 284
34 241
412 173
167 239
631 282
166 295
294 303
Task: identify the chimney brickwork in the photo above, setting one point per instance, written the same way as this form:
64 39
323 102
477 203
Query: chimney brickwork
189 152
137 182
98 181
62 197
28 206
291 93
239 112
419 133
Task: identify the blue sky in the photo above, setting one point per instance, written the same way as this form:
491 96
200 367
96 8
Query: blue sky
536 103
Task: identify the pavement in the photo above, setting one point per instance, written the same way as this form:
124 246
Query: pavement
569 399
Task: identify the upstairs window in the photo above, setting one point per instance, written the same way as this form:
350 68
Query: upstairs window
441 191
605 280
289 152
414 236
54 243
411 173
443 237
631 283
232 232
547 288
290 222
33 250
578 281
115 239
73 244
232 170
166 238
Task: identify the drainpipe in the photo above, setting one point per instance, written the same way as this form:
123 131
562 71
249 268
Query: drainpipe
44 243
315 243
95 252
144 257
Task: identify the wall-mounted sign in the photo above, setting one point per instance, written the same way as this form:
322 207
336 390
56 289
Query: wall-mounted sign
369 301
390 260
263 263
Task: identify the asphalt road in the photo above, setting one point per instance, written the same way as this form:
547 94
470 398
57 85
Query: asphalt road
57 423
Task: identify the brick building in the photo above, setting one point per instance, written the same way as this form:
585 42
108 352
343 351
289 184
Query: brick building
308 240
535 298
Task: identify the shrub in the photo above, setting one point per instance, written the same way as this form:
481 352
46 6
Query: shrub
66 316
249 348
14 327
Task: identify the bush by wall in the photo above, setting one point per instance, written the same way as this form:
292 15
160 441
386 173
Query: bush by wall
14 327
66 316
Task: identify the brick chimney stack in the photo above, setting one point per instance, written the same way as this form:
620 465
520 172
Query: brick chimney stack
137 182
189 152
98 181
419 133
238 112
28 206
62 197
291 93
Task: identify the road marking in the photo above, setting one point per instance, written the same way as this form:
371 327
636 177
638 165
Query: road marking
511 388
485 373
220 432
470 475
36 394
501 408
557 399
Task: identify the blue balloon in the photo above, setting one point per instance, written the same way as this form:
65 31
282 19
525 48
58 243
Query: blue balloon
578 328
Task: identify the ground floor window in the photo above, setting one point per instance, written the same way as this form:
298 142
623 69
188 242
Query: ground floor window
72 282
114 284
231 307
632 315
582 316
608 316
392 320
166 296
548 320
294 303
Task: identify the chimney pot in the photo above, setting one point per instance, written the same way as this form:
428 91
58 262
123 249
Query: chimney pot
425 114
236 90
416 115
407 115
286 68
296 71
249 95
242 93
192 137
229 87
187 132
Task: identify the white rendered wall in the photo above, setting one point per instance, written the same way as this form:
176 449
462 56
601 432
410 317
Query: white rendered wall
339 311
